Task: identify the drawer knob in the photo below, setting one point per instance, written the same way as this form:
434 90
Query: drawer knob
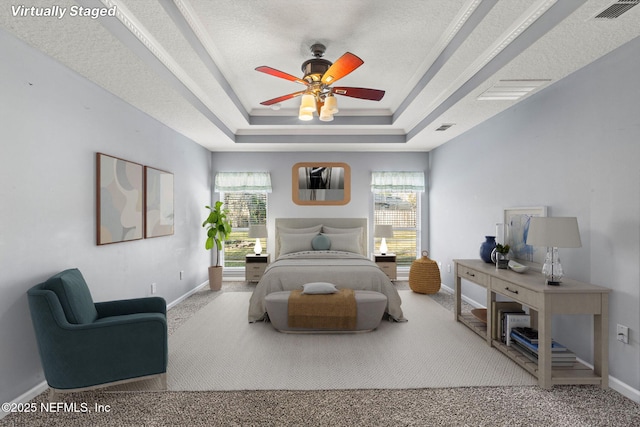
511 290
471 274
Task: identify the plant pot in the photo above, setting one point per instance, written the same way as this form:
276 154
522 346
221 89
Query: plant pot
215 277
502 264
500 260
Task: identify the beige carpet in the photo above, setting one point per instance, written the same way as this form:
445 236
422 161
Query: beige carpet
217 349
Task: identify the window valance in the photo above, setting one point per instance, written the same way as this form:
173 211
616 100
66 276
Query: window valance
243 182
397 182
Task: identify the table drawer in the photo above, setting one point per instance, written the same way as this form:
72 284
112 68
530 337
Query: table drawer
254 277
515 292
473 275
389 269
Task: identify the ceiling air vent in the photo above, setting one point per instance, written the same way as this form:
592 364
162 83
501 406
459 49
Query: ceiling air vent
511 90
616 9
444 126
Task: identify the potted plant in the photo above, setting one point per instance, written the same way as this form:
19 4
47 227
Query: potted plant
501 251
218 230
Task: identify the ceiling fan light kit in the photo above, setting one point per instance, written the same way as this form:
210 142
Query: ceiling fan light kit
318 76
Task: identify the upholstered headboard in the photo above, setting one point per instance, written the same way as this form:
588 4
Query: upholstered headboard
329 222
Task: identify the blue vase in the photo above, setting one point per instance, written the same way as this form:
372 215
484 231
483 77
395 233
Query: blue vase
487 247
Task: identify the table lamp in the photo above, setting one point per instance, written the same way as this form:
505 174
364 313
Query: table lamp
554 233
257 232
385 231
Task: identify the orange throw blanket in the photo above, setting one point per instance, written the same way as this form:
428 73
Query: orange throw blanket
336 311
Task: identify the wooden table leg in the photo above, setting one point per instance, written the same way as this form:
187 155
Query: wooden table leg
544 348
601 342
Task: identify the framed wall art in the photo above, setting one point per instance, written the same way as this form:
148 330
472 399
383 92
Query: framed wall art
119 200
321 183
158 202
516 229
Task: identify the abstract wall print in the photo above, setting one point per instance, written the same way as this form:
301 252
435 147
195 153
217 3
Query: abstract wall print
516 222
119 200
321 183
158 202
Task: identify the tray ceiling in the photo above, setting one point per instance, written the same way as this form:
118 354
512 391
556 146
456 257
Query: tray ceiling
446 65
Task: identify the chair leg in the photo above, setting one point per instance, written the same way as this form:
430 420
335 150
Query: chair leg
163 381
53 395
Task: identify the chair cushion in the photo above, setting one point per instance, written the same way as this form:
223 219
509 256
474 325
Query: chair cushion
74 296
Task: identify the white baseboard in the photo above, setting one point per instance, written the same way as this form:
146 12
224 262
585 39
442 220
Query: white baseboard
27 396
617 385
187 295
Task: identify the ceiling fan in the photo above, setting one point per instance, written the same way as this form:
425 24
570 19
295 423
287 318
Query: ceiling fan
319 75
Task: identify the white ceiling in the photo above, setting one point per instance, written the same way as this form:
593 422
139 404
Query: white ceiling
191 63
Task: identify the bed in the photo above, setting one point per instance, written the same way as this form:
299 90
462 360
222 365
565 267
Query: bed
302 257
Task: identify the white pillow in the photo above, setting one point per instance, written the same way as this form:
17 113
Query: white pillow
345 242
319 288
335 230
290 243
315 229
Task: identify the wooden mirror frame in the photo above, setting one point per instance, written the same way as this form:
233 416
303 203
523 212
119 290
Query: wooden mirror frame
338 196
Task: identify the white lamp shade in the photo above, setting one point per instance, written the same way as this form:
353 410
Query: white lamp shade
258 231
383 230
325 115
554 232
331 104
305 115
308 103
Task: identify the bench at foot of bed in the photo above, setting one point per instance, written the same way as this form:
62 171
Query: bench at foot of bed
370 310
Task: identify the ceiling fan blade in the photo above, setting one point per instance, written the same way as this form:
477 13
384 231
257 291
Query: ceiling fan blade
359 92
282 98
343 66
281 74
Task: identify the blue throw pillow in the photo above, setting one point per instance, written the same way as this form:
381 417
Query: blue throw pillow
321 243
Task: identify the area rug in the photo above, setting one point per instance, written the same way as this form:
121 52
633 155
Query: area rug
218 350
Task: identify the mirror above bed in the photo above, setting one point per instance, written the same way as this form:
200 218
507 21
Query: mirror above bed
321 183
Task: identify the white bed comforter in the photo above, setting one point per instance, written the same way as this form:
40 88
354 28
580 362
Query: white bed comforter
343 269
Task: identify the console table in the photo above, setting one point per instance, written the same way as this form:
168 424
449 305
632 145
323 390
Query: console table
529 289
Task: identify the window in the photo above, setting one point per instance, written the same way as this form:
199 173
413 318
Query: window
245 198
401 210
396 197
245 209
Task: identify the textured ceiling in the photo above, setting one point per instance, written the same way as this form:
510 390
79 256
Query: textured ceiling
191 63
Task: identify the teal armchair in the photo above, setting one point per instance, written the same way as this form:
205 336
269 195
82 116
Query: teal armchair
85 345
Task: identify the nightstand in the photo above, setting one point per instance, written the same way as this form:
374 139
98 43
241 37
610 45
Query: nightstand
388 264
255 265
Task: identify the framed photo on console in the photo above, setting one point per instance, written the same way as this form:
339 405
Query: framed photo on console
516 228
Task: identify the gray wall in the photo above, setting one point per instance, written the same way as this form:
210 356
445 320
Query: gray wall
575 148
52 122
280 204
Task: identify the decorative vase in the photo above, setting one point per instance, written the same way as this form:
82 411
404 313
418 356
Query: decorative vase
487 247
215 278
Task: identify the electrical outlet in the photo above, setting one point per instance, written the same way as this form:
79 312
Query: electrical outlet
623 334
448 268
181 274
153 288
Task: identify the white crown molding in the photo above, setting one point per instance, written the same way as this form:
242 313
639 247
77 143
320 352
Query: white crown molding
128 19
527 19
435 52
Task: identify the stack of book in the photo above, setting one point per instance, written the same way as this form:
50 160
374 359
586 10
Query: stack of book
525 340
